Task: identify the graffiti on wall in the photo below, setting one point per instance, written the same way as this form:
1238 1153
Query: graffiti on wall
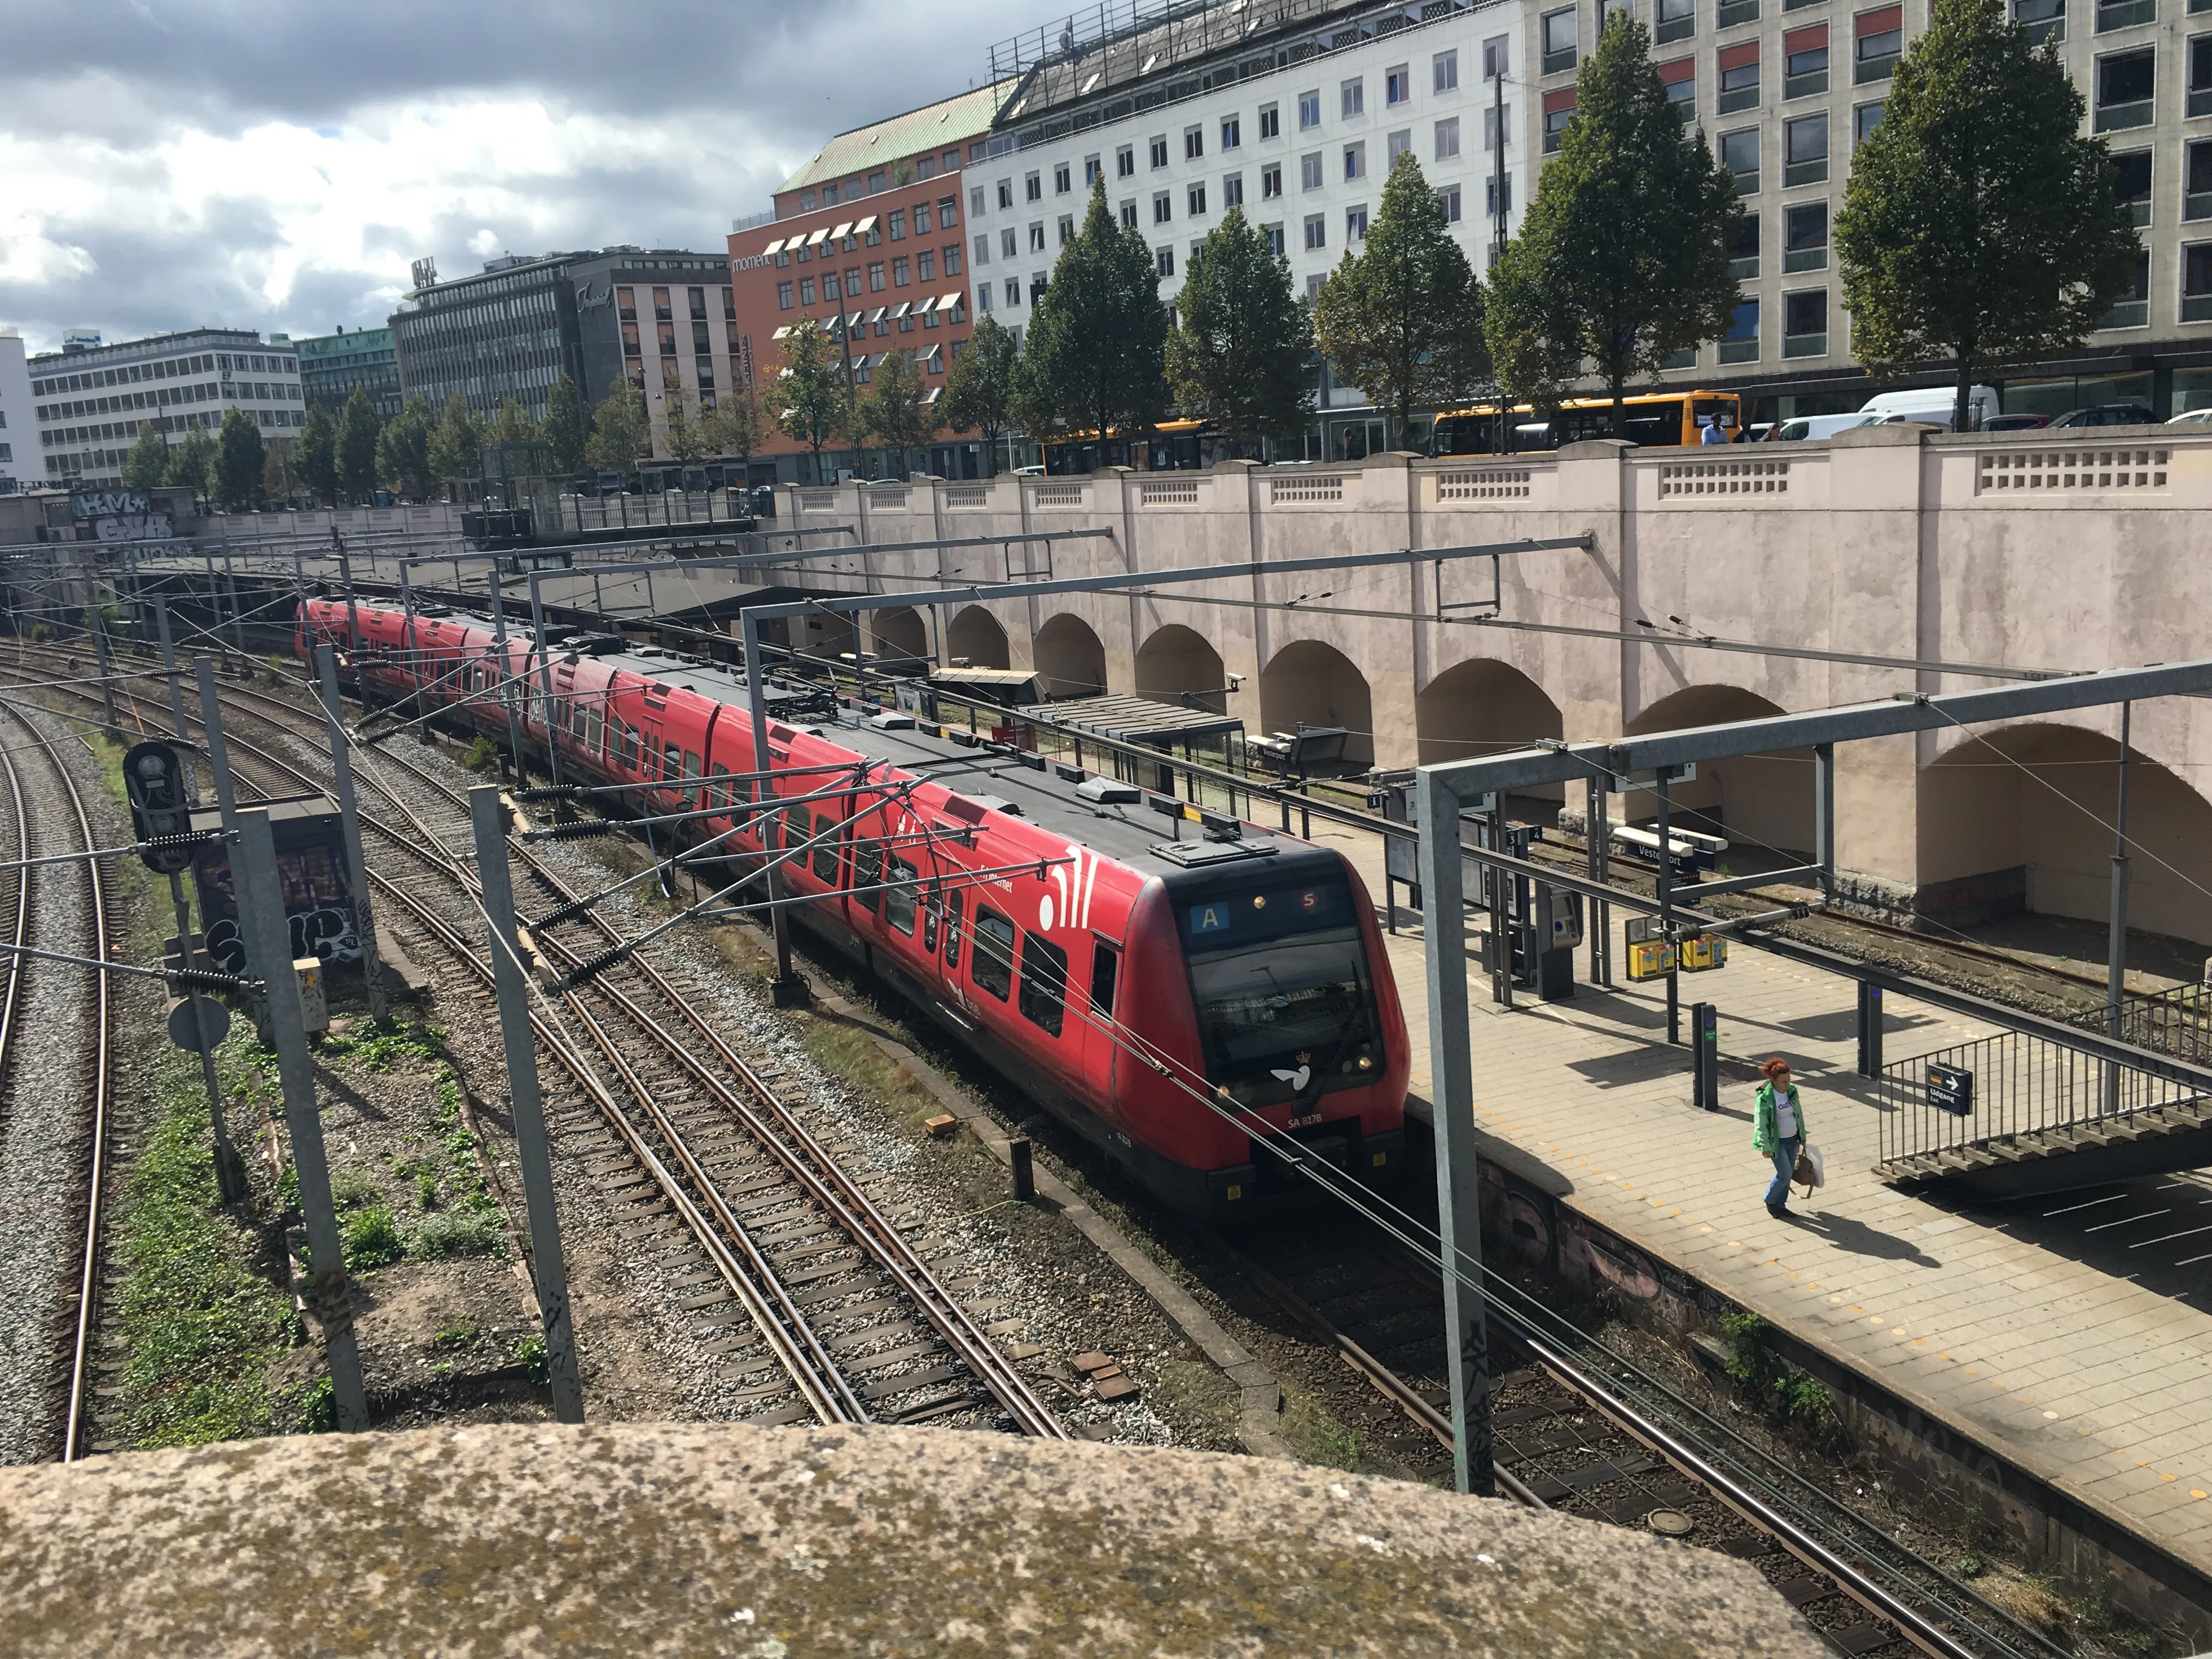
1524 1223
316 904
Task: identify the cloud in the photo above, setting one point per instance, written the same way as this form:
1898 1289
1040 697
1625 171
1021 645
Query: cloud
275 168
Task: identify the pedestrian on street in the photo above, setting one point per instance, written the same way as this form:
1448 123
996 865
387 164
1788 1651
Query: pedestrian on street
1777 1130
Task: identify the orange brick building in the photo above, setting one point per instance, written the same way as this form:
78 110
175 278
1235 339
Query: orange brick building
868 239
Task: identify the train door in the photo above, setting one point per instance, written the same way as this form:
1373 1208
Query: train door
1098 1014
951 904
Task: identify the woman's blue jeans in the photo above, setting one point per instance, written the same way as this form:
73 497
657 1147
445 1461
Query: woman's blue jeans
1785 1165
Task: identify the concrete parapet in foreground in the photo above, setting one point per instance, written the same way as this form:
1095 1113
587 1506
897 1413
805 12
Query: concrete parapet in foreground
695 1539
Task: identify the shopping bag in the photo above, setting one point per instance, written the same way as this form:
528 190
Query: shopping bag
1810 1170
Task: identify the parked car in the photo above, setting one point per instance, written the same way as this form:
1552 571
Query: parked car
2193 418
2015 422
1817 426
2108 415
1929 405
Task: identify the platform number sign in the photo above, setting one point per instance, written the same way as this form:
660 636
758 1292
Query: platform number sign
1951 1089
154 777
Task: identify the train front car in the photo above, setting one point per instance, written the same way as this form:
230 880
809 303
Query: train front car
1266 980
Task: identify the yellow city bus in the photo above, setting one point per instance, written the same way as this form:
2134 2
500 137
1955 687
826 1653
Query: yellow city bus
1656 420
1171 446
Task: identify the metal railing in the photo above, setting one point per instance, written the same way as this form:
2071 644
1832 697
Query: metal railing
2020 1085
2177 1021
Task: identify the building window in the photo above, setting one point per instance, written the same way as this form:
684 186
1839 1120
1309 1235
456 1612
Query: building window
1270 181
1447 200
1559 111
1309 172
1271 122
806 290
2196 180
1351 97
982 296
1878 41
1805 147
1033 187
2200 75
899 278
1092 171
1680 80
1398 85
1275 235
1309 110
1355 224
1805 61
1166 259
1066 228
2124 85
1129 215
2197 282
1740 155
1014 290
2040 19
1232 132
1196 203
1864 119
1005 193
830 288
1163 208
1497 57
983 257
1232 192
1317 232
1447 139
2132 308
925 265
921 218
1805 238
1489 195
2131 183
1396 145
1125 162
782 300
1160 148
1355 161
1489 139
1560 39
2124 14
1037 237
1193 143
896 220
1673 20
1743 251
1805 323
1062 179
1739 66
1741 344
975 208
1443 72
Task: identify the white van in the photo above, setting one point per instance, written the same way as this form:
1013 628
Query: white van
1819 426
1929 405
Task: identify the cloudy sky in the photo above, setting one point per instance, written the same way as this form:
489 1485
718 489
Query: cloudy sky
274 165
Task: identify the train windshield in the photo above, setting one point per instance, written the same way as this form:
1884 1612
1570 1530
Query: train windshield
1286 1001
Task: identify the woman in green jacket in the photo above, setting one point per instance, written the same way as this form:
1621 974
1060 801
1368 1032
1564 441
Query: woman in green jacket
1778 1129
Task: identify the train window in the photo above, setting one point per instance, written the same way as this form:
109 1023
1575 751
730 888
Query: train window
825 847
992 969
954 905
672 753
795 832
1105 969
899 899
868 872
1044 982
932 909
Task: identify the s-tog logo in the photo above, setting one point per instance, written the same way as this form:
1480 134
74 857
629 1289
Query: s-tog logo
1067 903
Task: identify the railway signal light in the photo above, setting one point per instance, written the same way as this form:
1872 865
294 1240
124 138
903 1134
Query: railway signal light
161 809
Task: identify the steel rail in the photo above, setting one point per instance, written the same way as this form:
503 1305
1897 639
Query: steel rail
17 962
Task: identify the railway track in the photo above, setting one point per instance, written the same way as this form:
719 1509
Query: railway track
1580 1428
23 746
688 1139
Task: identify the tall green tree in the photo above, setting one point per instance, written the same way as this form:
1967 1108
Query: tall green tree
979 394
618 430
895 410
191 466
1402 318
403 450
358 430
682 433
236 475
513 425
1979 223
147 466
1241 352
811 402
733 427
1097 351
457 441
567 428
316 460
1623 259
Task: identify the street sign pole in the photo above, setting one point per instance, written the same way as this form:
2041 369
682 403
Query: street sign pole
371 964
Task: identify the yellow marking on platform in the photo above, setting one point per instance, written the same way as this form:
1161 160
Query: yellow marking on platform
2054 1414
2195 1491
1974 1370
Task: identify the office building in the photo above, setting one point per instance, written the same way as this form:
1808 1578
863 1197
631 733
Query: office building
90 398
332 365
868 239
514 328
22 463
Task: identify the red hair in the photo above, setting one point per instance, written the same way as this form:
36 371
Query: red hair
1774 1067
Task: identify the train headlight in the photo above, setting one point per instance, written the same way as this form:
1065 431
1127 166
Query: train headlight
1366 1062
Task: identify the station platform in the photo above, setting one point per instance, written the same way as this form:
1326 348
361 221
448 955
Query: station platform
2068 1335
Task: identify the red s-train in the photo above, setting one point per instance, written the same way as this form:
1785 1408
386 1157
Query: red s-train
1145 990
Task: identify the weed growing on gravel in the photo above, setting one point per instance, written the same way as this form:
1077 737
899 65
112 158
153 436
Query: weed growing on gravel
1787 1394
459 1232
200 1325
1315 1434
382 1044
530 1351
372 1238
482 754
352 1190
1194 1393
455 1333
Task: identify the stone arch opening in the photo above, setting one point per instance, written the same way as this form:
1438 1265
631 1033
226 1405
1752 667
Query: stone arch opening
1763 803
1484 707
1177 664
1069 659
978 639
1315 683
2020 819
900 633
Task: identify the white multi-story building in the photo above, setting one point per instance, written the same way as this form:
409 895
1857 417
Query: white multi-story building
22 466
1293 110
91 398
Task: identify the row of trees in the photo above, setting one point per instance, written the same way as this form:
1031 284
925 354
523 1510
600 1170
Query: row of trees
1978 224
